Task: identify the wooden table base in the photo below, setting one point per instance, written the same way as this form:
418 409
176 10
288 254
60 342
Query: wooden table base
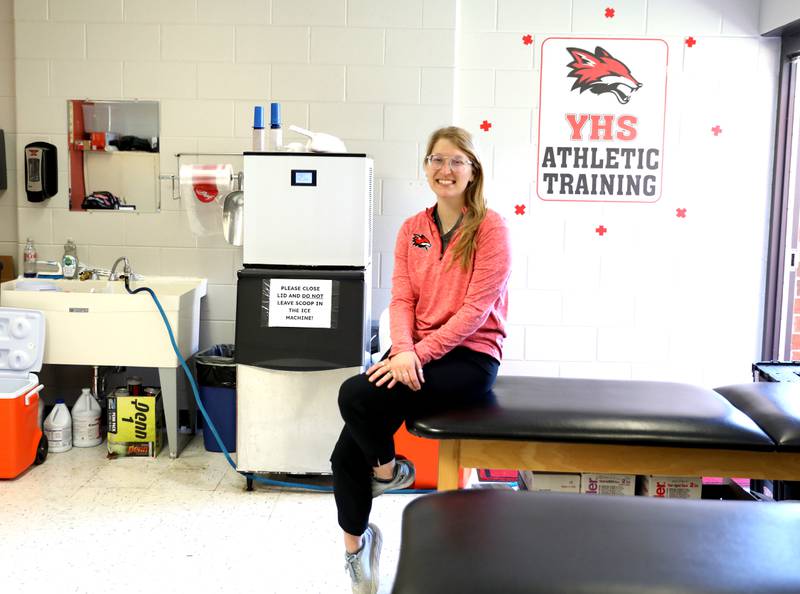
617 459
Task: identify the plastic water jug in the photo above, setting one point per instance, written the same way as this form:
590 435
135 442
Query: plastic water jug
58 428
86 421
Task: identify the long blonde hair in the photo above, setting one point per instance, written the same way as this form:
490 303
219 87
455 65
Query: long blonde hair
474 201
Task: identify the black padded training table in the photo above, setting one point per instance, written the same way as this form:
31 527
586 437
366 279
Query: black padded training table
473 542
619 426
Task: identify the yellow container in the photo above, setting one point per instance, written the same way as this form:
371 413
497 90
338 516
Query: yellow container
135 425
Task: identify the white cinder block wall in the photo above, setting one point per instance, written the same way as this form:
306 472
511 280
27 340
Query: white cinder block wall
379 74
8 197
658 297
777 13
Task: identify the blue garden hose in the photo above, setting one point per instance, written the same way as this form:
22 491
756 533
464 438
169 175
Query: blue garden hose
209 423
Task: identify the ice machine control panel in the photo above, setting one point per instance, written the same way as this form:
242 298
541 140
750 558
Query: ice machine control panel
304 177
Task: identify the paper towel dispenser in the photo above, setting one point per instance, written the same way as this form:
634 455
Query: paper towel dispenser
41 171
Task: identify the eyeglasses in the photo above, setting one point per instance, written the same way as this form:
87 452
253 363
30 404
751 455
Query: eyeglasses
454 163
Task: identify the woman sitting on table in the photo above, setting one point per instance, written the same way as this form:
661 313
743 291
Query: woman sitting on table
448 311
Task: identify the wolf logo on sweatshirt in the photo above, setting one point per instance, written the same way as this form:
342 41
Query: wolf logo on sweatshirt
420 241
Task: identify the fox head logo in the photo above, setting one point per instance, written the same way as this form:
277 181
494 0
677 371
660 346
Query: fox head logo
600 72
420 241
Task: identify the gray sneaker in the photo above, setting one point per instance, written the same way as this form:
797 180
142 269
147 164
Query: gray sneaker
363 565
404 476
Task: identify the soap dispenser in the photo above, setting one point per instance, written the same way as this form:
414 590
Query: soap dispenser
69 261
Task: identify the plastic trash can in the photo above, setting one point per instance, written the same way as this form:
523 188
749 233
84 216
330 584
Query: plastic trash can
216 382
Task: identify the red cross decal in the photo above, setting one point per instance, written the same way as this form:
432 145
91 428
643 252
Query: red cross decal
680 213
690 41
519 209
485 126
610 13
527 39
716 130
601 230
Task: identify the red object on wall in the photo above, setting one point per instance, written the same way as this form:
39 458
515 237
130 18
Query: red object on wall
76 133
98 141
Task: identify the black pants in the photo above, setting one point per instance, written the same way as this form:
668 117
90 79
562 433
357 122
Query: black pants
462 378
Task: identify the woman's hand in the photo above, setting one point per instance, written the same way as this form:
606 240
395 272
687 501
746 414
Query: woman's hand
403 367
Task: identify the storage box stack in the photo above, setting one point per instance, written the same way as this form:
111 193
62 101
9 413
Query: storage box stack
135 423
608 484
669 487
549 481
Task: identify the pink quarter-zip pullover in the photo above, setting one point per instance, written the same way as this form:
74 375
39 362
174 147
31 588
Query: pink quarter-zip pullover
436 304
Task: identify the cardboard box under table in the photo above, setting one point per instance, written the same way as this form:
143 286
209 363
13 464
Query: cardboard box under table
135 425
595 483
549 481
669 487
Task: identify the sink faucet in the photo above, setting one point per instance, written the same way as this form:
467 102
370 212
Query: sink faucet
126 268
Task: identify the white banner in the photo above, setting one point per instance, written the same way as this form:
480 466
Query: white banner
602 108
300 303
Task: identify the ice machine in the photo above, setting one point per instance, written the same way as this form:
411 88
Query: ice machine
302 304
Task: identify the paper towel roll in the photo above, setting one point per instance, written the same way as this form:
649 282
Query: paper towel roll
202 190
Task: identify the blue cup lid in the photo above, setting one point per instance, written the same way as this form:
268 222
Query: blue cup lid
258 117
60 401
275 114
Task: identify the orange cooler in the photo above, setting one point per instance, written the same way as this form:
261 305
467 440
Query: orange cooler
21 351
424 453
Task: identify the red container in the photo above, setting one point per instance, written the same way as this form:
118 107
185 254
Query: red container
21 439
20 433
424 453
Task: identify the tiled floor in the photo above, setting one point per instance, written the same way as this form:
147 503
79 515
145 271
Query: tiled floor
80 523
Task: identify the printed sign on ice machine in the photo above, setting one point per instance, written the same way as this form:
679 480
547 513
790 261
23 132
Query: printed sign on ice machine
300 303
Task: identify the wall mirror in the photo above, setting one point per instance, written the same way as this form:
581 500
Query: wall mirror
113 156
